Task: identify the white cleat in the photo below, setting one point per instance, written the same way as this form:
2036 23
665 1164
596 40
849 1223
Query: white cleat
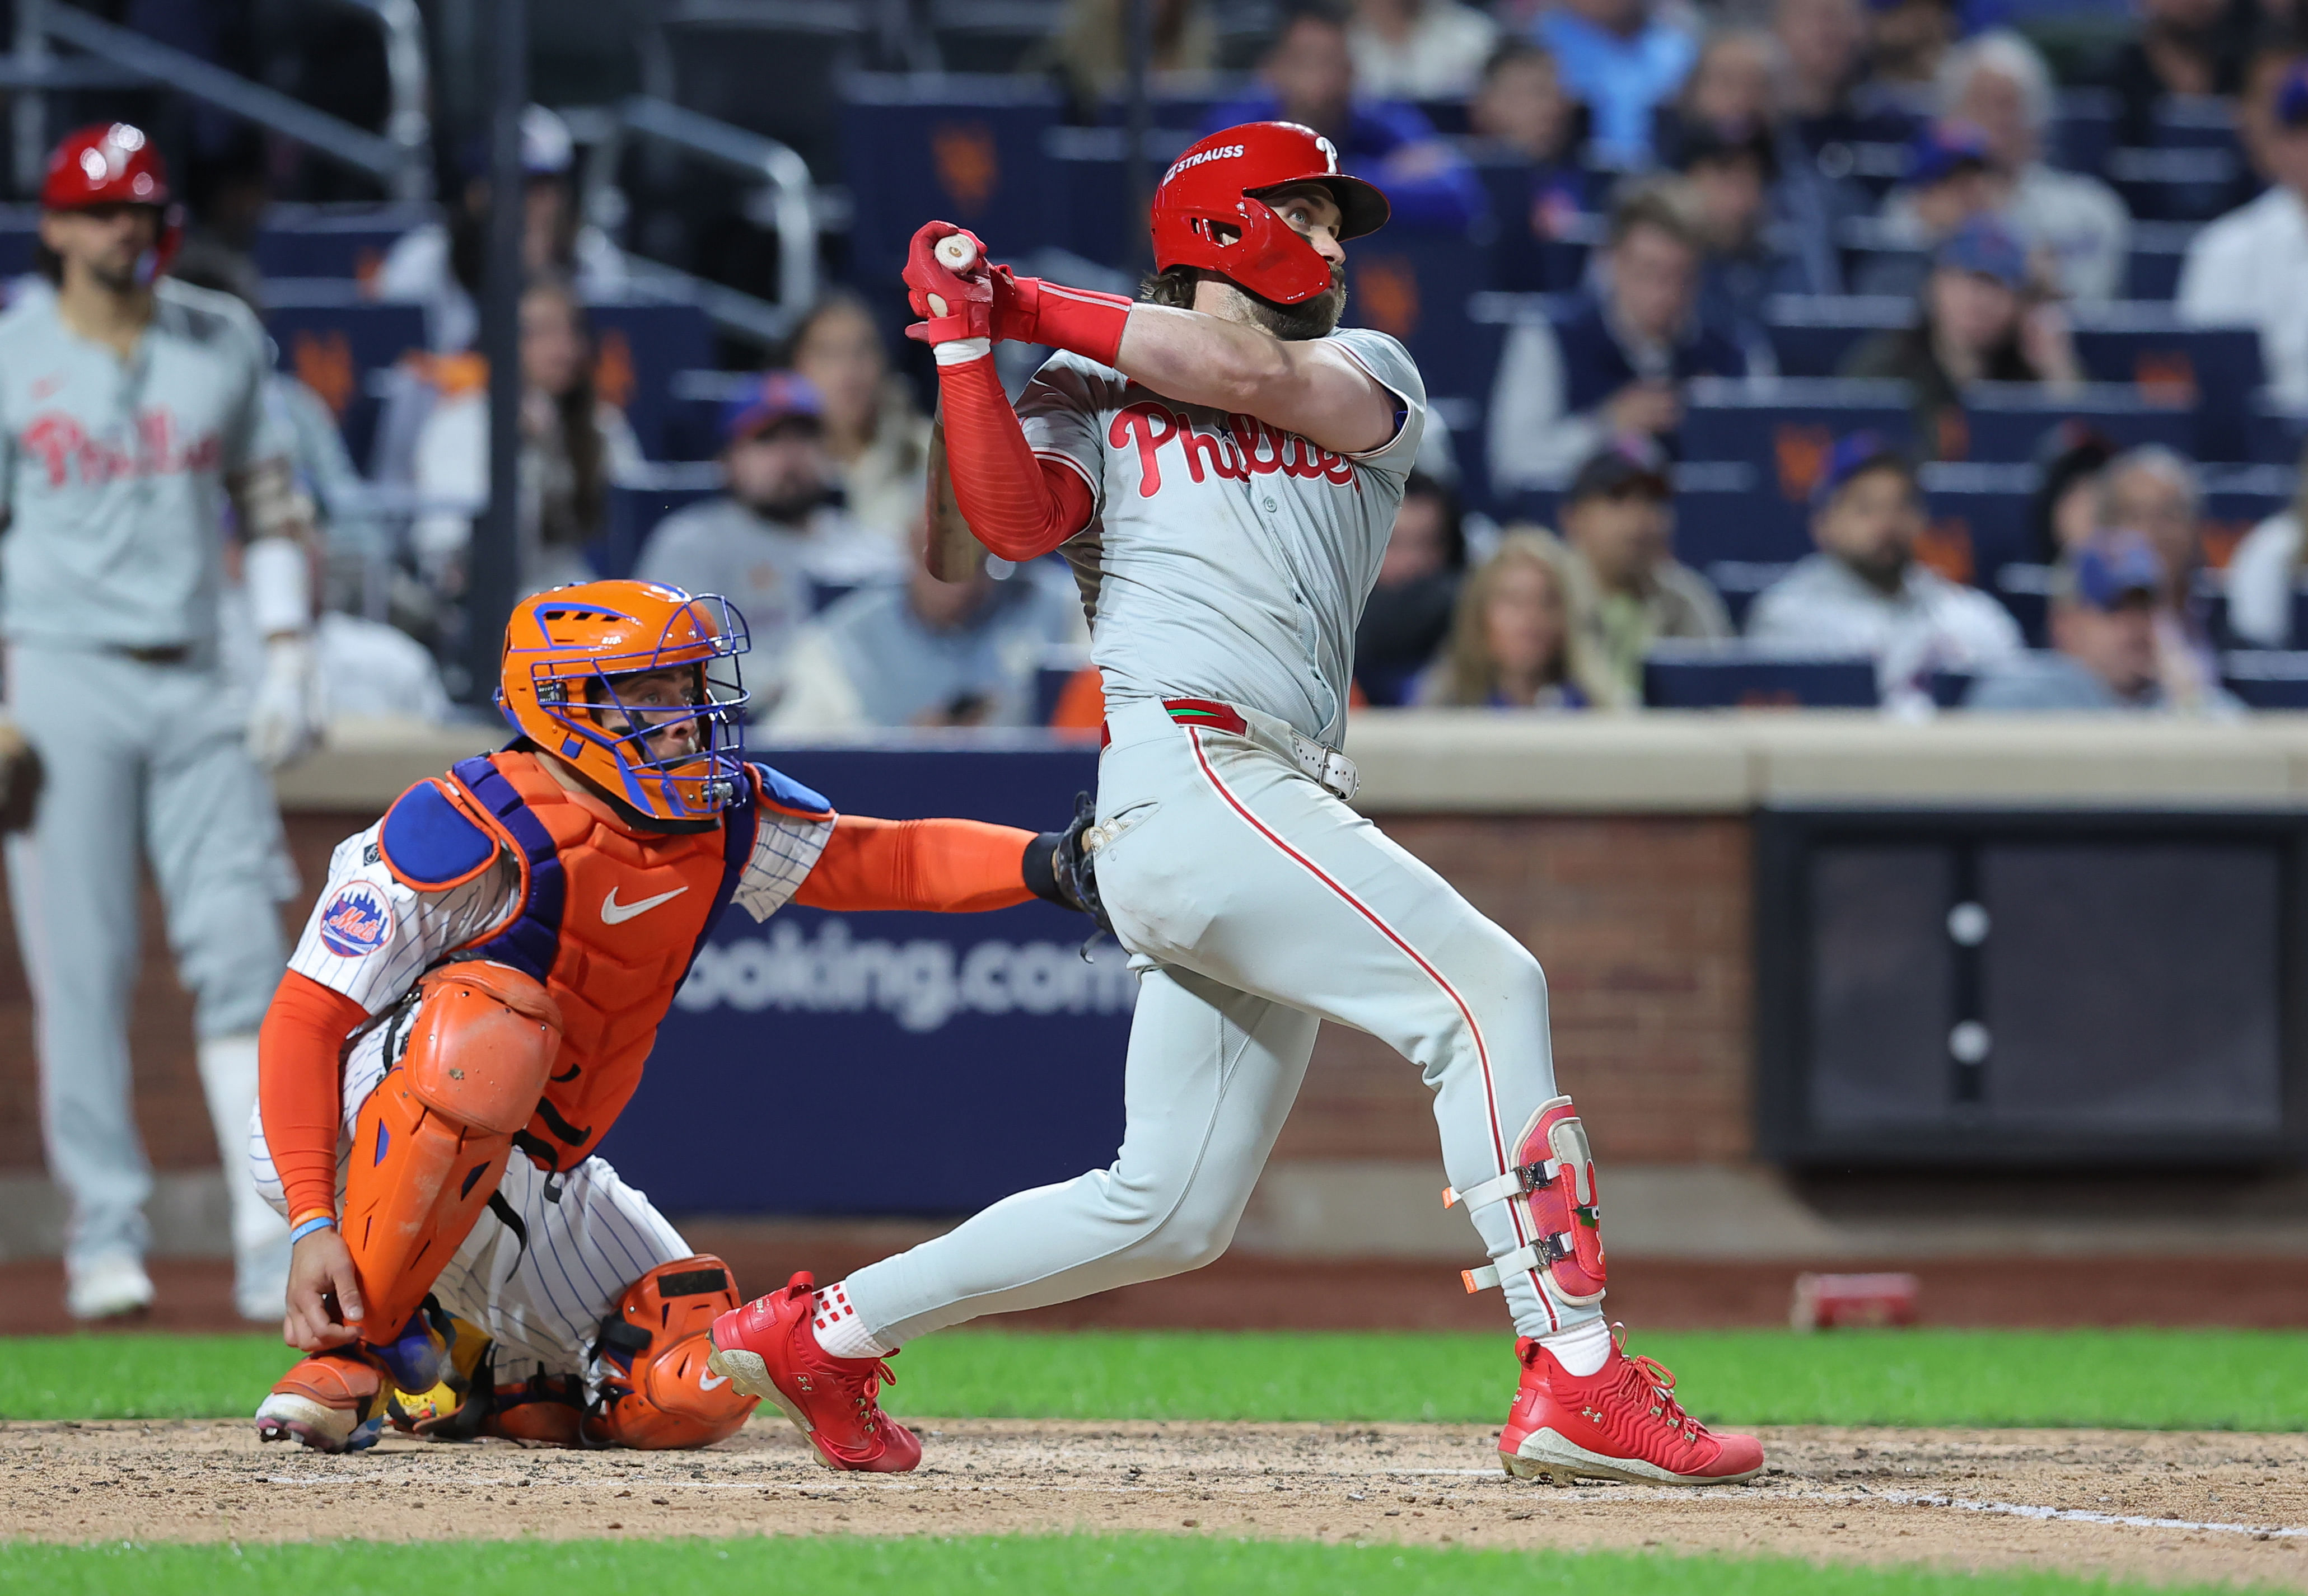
110 1288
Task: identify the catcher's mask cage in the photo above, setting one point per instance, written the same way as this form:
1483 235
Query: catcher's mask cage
576 688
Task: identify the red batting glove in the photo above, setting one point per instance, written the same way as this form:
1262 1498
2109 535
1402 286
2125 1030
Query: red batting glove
963 305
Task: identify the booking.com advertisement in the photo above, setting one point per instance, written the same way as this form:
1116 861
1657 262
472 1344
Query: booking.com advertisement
890 1063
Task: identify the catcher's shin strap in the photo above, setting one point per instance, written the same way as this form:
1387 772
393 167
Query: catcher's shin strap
1332 770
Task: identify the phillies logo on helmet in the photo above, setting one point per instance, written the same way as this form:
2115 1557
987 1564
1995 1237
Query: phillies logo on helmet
356 921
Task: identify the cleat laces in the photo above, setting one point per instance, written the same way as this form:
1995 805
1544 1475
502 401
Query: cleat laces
1646 1383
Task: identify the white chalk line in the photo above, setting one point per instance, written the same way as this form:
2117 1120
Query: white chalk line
1625 1493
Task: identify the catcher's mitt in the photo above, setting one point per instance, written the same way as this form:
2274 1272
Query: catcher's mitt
1061 869
21 778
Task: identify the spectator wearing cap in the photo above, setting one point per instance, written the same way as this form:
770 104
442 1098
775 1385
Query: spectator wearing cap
1863 592
1419 49
774 537
1515 643
2247 267
2103 656
1978 322
440 265
1947 184
876 440
2156 492
1627 590
910 650
1997 83
1308 77
1624 59
1617 363
573 444
1408 612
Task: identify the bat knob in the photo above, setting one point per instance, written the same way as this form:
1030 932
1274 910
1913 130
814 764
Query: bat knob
937 305
956 253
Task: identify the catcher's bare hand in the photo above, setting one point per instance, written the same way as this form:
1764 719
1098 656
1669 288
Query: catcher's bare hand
22 777
325 1294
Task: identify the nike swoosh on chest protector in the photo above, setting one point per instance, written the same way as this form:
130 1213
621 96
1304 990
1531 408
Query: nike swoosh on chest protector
614 912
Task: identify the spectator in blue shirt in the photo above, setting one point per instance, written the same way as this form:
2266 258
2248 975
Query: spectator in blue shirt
1618 364
1623 62
1309 77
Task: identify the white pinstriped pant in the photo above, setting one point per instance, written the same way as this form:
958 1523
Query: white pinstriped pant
1254 905
590 1236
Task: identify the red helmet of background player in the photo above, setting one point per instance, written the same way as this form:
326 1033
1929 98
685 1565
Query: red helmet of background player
113 163
1210 209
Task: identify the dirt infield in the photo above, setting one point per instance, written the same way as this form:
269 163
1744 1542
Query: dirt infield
2164 1506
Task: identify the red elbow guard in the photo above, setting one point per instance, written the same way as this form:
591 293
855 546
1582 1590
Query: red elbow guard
1017 505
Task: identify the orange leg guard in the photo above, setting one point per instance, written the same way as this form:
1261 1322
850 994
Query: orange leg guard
430 1142
656 1391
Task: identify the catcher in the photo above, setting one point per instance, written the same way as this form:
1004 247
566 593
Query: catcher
470 1006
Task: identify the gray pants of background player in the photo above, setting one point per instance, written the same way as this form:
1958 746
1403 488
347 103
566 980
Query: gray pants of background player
143 760
1254 905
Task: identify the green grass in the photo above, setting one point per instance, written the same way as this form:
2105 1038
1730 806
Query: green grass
1011 1565
2168 1379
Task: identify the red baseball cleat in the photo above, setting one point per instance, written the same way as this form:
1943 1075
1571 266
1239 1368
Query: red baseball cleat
767 1348
1621 1422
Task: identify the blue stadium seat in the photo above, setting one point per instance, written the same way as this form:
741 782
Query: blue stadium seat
2005 421
1785 426
2278 431
20 229
965 149
636 507
1418 285
2082 130
2267 678
2175 185
2158 250
328 241
1522 261
638 348
334 341
1710 676
1090 194
2148 345
1811 334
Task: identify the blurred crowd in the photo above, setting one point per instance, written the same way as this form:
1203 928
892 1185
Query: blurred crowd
1706 158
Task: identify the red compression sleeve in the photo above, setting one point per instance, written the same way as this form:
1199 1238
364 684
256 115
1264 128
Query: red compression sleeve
1017 504
297 1082
948 866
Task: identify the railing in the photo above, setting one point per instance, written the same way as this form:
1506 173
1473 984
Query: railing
400 159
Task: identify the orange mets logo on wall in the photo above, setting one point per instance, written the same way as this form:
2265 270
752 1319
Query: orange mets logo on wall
968 168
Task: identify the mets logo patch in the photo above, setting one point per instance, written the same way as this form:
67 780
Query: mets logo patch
356 921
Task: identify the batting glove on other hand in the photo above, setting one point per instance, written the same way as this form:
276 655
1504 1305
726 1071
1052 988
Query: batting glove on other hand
285 718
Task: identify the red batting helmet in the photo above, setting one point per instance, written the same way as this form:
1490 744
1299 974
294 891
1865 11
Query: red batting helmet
1219 188
113 163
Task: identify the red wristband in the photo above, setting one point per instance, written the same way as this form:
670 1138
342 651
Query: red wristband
1078 319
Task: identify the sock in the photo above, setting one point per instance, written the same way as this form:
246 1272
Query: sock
1582 1349
839 1331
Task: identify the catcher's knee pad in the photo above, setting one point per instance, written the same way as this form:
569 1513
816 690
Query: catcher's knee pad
430 1144
1554 1174
656 1391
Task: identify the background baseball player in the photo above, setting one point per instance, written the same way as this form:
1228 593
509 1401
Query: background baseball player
130 410
499 951
1222 466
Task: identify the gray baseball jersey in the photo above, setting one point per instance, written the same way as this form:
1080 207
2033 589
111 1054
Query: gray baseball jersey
112 469
1228 560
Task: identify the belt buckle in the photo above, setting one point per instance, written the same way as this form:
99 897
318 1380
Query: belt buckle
1331 770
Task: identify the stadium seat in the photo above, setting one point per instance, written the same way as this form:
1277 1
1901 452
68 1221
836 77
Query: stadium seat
2005 421
2218 368
1730 676
2238 498
2176 185
2267 678
20 229
636 506
2082 130
1812 333
1090 194
332 241
965 149
335 342
1418 285
1522 261
1785 425
2158 250
637 349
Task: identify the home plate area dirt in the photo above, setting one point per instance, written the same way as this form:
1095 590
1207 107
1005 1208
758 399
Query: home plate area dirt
2165 1507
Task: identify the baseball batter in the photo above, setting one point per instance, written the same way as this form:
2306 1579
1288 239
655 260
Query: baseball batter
469 1009
1221 464
131 412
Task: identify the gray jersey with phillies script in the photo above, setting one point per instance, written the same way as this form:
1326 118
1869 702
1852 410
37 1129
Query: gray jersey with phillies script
112 470
1226 559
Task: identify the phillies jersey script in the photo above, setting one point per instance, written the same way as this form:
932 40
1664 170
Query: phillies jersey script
112 469
1226 559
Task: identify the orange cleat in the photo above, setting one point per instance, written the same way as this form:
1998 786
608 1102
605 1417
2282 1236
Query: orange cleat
332 1402
1621 1422
767 1348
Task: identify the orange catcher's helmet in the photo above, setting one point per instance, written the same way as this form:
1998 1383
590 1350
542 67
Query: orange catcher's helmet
1210 209
568 650
113 163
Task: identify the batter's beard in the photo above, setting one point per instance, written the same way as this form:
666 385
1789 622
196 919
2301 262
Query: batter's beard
1308 319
